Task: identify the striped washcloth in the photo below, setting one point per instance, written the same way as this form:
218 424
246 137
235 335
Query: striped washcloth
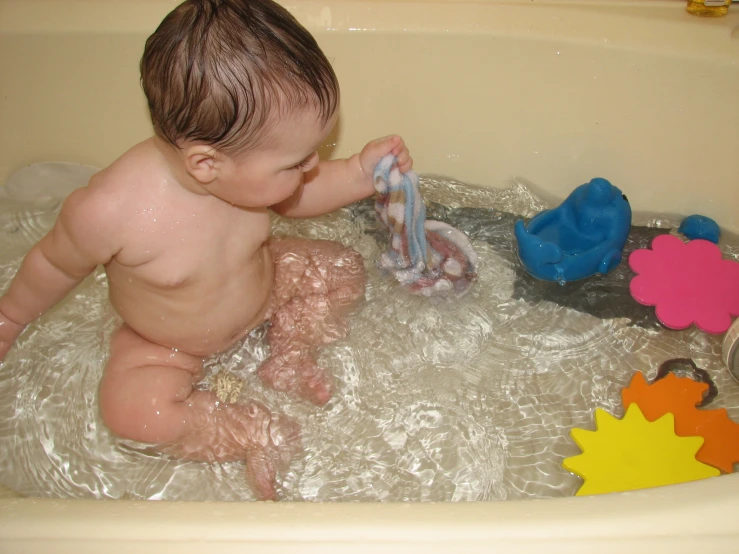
430 257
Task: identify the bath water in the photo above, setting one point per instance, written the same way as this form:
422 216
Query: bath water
436 400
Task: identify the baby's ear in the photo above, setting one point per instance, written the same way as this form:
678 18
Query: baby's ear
200 162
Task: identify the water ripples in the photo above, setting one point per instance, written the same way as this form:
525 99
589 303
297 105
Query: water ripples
436 400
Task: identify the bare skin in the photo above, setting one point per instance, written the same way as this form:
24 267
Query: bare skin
183 234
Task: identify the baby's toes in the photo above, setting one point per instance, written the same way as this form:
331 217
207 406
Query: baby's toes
316 384
286 441
276 442
261 474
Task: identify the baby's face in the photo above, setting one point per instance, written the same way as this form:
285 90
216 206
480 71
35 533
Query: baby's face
273 171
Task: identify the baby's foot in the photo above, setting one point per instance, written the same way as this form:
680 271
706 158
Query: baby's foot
239 432
277 443
295 372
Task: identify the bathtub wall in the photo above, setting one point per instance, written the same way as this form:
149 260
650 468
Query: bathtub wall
553 92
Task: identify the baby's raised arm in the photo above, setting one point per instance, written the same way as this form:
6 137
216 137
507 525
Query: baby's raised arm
80 240
337 183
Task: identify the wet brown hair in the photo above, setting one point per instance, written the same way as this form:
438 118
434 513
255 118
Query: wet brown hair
217 70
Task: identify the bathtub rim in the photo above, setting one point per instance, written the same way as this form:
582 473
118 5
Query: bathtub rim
647 25
698 513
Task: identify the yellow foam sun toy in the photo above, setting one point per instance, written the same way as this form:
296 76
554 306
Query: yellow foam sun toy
633 453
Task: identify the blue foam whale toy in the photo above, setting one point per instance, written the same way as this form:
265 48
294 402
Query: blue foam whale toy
583 236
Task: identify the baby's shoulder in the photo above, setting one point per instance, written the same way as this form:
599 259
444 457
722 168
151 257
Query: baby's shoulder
126 180
109 197
127 175
93 208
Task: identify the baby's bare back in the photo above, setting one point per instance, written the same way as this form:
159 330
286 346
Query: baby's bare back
192 272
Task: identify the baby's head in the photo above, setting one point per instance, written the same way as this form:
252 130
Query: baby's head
221 72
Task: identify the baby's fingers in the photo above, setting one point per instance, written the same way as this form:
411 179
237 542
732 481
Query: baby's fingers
399 147
405 162
406 165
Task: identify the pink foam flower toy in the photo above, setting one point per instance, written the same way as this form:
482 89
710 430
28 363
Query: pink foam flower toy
687 282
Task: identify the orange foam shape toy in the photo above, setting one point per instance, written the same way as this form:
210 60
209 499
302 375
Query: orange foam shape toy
680 396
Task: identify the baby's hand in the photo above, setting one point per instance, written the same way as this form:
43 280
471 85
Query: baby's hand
378 149
9 331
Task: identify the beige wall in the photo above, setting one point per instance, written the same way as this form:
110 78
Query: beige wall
555 93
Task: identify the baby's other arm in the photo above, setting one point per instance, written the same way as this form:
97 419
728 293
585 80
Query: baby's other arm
334 184
80 240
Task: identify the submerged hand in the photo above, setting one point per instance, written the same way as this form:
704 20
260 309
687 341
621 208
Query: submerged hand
375 150
9 331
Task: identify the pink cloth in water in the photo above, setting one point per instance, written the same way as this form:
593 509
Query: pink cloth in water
687 282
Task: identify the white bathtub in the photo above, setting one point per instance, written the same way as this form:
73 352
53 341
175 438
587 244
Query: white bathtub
551 91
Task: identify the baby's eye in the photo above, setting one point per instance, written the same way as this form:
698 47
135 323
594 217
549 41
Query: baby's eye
307 164
301 165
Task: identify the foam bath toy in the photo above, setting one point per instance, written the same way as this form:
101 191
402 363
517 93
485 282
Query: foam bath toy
585 235
680 397
429 257
687 283
633 453
700 227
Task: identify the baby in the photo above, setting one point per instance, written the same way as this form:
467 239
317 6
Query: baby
241 97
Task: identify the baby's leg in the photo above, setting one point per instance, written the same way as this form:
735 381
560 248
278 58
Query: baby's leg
316 283
147 395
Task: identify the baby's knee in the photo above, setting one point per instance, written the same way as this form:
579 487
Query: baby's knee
116 419
134 408
128 420
121 417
